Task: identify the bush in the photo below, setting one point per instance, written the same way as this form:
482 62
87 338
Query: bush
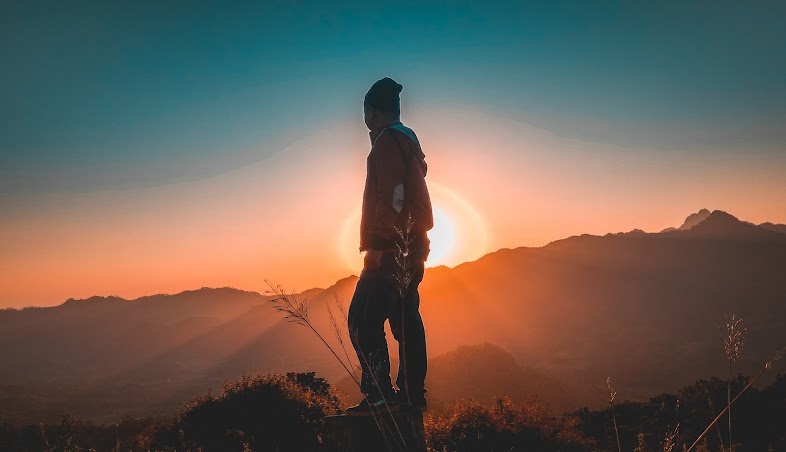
759 415
266 412
505 426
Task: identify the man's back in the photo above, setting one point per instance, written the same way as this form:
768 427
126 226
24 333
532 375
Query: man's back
395 189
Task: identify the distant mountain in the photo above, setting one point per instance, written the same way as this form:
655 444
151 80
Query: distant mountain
104 357
482 372
642 308
723 225
774 227
694 219
718 216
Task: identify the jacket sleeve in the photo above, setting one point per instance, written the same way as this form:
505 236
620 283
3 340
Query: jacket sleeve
388 165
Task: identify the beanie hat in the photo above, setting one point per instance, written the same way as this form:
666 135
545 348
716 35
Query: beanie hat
384 95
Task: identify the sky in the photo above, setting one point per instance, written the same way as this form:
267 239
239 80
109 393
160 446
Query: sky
155 147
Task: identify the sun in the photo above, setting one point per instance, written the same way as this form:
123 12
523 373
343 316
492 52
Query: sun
442 236
459 235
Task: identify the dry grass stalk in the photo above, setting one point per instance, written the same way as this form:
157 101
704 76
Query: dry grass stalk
338 332
672 438
296 311
380 423
405 259
767 365
405 271
712 410
732 337
43 435
612 395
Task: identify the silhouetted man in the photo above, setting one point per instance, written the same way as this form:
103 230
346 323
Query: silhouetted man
396 217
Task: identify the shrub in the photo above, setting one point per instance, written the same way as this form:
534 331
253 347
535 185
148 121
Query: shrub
505 426
266 412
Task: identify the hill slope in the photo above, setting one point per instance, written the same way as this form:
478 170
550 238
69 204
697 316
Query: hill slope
639 307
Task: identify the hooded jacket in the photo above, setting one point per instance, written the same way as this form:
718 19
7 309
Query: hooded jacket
395 189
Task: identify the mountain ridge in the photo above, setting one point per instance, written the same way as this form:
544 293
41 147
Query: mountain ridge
694 219
713 223
639 307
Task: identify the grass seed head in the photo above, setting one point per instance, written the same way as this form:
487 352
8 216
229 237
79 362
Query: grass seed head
612 392
732 337
671 439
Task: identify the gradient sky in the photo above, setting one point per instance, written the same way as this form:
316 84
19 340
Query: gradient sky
153 147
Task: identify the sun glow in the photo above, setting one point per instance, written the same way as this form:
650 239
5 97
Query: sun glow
442 236
459 234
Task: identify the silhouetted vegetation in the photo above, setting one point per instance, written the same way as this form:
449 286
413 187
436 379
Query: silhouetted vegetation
758 417
73 435
504 426
285 412
267 412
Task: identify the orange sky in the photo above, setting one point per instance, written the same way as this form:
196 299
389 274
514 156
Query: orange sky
292 218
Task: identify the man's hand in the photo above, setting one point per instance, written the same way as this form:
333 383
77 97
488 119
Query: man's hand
373 259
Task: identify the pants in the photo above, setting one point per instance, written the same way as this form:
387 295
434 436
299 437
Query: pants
377 299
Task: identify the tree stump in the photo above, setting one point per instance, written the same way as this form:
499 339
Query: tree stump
376 433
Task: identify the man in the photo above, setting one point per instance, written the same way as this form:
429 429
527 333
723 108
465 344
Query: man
393 233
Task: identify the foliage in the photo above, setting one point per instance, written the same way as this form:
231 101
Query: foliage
72 435
266 412
505 426
284 412
759 415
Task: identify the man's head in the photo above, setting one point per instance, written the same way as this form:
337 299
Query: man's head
382 104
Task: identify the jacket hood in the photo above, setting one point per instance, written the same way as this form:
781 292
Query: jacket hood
421 156
397 125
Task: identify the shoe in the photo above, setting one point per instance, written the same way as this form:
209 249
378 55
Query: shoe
366 407
416 403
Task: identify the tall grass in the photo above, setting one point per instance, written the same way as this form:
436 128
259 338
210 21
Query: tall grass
612 395
732 337
767 365
296 311
672 439
405 271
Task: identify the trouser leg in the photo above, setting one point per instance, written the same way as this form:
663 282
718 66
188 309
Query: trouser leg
370 307
407 327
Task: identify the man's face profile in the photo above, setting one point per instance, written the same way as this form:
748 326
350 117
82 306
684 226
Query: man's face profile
368 114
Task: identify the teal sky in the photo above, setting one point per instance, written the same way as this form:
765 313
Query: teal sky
154 147
170 91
